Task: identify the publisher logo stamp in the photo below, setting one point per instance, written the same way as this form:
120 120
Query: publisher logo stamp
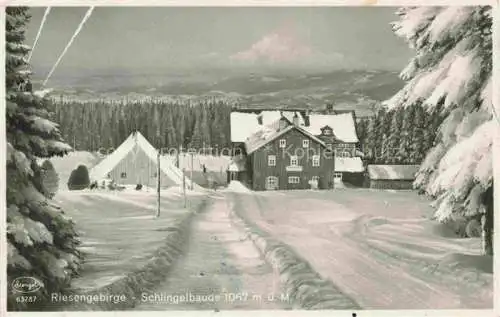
26 285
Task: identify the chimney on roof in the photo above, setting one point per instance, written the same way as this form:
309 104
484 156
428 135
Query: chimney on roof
307 122
259 119
295 119
329 108
283 123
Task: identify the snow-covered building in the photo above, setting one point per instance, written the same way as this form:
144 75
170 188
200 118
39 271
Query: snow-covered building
391 176
251 132
135 162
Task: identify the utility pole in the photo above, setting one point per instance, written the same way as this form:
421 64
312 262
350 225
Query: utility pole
159 182
334 166
192 166
177 164
158 172
184 186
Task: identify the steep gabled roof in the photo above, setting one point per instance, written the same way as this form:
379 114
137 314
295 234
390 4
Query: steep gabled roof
343 126
270 133
243 124
136 141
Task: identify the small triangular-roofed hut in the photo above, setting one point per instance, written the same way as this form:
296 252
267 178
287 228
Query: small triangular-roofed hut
135 162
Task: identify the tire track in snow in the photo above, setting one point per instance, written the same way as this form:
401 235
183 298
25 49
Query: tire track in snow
374 284
471 295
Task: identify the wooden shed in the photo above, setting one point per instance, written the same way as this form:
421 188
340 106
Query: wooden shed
391 176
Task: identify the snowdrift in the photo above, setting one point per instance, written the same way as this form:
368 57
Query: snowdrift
306 288
237 187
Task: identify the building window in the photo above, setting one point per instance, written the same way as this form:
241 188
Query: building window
123 175
271 182
342 153
271 160
293 180
294 160
315 160
305 143
282 143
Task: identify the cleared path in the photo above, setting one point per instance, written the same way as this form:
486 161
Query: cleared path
220 270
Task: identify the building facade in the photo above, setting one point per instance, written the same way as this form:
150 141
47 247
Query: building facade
296 151
291 160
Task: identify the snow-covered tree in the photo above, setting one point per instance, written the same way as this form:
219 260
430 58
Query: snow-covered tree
50 179
394 138
453 66
421 136
41 239
196 141
369 142
406 134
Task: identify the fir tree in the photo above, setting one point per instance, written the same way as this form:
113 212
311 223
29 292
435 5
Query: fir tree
391 153
206 140
79 178
406 134
171 132
197 138
453 67
41 239
50 179
369 144
420 135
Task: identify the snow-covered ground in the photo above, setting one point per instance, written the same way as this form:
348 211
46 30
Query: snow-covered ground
216 167
64 165
119 230
220 267
379 247
237 187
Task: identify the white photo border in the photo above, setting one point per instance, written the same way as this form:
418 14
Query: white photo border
263 3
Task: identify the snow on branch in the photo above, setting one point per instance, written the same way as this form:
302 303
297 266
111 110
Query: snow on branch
414 21
450 23
20 160
42 125
458 168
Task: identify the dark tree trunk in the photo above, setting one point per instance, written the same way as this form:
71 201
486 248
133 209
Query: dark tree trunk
487 222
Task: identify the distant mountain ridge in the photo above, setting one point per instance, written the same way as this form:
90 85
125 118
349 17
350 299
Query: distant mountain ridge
346 89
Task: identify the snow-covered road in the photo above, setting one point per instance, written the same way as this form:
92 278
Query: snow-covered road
382 259
221 269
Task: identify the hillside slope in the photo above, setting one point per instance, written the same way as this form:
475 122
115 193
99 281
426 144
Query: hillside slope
346 89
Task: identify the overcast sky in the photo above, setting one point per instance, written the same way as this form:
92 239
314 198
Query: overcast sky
135 38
